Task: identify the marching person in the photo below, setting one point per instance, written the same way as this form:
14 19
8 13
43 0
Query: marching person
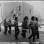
24 27
16 28
32 27
5 26
9 25
37 25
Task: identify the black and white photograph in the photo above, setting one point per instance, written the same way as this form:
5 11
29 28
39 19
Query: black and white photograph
22 21
21 0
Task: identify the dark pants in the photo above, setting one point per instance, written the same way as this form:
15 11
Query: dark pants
33 34
0 29
24 33
5 32
37 33
16 32
9 29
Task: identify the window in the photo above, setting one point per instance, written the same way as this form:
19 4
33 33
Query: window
30 11
19 8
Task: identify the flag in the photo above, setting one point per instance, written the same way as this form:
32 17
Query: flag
19 13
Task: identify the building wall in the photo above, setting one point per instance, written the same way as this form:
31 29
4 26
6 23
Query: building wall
9 6
28 10
0 13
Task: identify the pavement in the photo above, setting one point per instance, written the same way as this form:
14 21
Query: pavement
11 38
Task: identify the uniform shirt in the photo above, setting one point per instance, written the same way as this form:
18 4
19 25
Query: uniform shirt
24 24
32 25
5 24
9 23
16 24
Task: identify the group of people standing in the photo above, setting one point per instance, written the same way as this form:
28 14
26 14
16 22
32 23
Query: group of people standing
32 25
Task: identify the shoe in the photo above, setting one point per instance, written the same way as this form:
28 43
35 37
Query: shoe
37 38
9 32
16 38
29 39
5 33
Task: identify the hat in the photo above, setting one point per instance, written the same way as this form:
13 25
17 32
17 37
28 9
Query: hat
36 19
32 18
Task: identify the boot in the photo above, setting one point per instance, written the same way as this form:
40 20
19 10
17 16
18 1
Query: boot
5 33
9 32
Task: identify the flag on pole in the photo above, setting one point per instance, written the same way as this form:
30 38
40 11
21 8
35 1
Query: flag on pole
17 12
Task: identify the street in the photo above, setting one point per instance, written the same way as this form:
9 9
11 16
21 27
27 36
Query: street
11 38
